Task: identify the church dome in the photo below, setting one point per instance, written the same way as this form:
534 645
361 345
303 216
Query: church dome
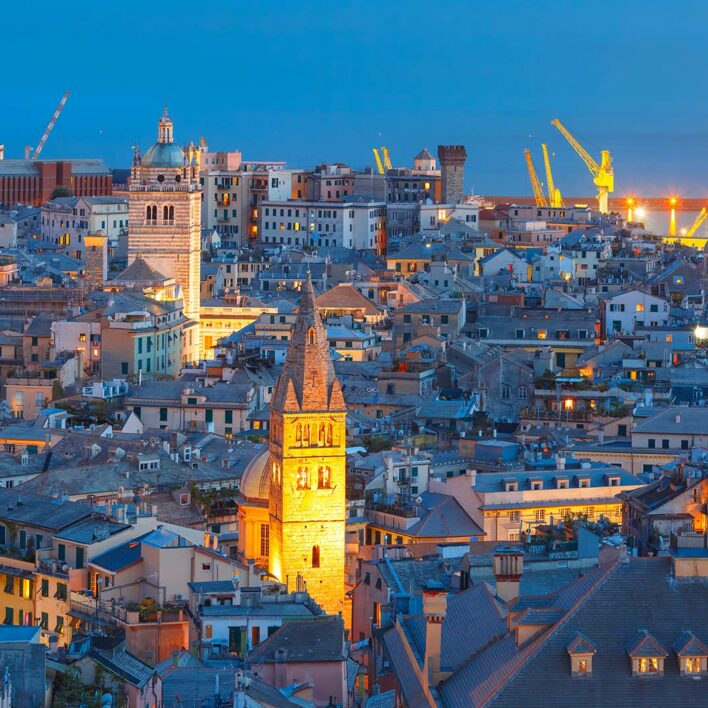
255 482
164 155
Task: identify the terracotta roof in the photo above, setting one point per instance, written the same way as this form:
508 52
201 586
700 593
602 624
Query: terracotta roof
346 297
139 271
424 154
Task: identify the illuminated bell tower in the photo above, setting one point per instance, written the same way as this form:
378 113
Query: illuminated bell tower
307 457
164 219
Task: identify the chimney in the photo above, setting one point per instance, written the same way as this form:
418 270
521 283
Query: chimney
508 569
2 152
601 436
434 610
678 417
472 476
281 668
560 462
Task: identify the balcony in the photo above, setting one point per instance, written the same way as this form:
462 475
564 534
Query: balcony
560 415
111 613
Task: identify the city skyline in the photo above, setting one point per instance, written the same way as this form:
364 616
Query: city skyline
279 85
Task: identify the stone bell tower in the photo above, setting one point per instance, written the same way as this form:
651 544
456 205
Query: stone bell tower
307 457
164 220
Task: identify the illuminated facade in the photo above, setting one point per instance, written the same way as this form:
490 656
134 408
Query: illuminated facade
307 506
165 218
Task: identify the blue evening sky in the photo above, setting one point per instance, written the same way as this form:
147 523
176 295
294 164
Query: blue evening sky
325 80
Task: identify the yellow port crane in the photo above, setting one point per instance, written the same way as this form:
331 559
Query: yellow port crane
602 175
384 165
379 164
702 216
688 236
538 194
555 199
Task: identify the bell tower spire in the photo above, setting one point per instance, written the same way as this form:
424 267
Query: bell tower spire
307 505
164 127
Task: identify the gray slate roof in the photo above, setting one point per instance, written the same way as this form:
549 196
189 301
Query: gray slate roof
40 511
321 639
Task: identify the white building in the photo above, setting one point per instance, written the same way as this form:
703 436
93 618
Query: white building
626 310
553 265
434 216
66 220
8 232
232 197
82 336
354 225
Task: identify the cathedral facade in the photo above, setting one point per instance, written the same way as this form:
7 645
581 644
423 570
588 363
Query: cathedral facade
164 226
293 514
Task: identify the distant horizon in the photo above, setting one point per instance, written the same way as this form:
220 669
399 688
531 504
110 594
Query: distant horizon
328 81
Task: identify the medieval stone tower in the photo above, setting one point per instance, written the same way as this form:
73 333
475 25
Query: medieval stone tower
164 226
452 172
307 456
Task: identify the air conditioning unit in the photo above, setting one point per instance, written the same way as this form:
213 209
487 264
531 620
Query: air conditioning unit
179 597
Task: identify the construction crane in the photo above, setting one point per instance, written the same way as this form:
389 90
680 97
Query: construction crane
702 216
538 194
554 196
59 109
387 159
602 175
379 164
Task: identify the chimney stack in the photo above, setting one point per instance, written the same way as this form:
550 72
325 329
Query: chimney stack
508 569
434 610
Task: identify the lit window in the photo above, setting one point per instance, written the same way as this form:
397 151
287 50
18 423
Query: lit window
303 478
692 665
648 665
542 334
640 307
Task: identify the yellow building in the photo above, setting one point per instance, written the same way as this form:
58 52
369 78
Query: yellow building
17 592
165 217
301 482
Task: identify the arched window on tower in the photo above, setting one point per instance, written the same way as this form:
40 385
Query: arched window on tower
148 212
298 434
330 435
306 435
311 335
302 480
322 437
172 213
324 478
165 213
315 556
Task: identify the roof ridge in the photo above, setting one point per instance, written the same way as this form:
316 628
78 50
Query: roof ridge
541 640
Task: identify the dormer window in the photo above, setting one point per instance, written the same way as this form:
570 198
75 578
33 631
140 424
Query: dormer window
512 486
583 482
536 484
613 481
692 655
647 655
581 651
562 484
